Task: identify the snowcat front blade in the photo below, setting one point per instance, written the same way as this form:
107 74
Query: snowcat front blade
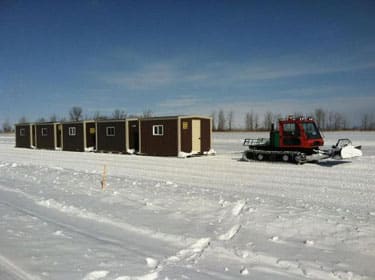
344 149
350 152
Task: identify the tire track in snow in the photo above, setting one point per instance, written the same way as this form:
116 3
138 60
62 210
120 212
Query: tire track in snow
73 211
190 253
69 227
10 271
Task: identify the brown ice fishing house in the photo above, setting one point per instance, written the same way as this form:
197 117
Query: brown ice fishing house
79 136
48 135
118 136
25 135
175 136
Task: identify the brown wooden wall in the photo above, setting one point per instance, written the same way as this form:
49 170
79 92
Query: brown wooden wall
205 135
23 141
166 145
111 143
45 142
73 143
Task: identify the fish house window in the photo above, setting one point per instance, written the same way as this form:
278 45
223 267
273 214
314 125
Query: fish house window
72 131
44 131
110 131
22 132
158 130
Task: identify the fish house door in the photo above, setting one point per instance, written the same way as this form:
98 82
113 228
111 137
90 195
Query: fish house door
196 136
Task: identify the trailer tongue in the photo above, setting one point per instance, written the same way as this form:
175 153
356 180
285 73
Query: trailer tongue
297 140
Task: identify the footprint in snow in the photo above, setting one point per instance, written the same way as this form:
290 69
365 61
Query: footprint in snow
230 233
244 271
274 238
237 209
152 263
309 243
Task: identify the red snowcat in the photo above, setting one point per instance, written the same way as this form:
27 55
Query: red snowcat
297 140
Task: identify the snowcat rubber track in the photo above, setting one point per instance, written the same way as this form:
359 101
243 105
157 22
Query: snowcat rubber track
284 156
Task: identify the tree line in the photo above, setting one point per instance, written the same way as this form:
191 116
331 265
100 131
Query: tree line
76 114
326 120
221 120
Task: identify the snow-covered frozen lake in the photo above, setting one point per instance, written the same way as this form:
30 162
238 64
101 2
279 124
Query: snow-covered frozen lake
212 217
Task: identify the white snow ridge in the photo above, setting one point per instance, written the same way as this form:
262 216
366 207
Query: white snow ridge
237 209
230 233
96 275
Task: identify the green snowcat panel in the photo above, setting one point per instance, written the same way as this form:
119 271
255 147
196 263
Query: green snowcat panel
275 139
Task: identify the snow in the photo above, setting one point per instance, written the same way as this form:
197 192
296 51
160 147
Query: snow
208 217
94 275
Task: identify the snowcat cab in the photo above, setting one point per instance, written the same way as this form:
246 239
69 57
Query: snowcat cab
300 133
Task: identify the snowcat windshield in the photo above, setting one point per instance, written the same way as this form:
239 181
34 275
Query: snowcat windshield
311 130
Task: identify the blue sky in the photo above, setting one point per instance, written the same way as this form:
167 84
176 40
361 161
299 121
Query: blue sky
186 57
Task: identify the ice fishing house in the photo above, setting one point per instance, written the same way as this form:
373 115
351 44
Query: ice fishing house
48 135
25 135
118 136
79 136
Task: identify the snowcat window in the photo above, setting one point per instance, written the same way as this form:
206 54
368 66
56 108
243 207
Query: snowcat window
290 129
311 130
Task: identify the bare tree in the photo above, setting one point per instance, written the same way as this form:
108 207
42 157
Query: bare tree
75 113
268 120
365 121
119 114
331 120
230 120
7 127
256 122
337 121
249 121
277 117
98 116
214 120
41 120
147 113
298 114
22 120
53 118
221 121
320 118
